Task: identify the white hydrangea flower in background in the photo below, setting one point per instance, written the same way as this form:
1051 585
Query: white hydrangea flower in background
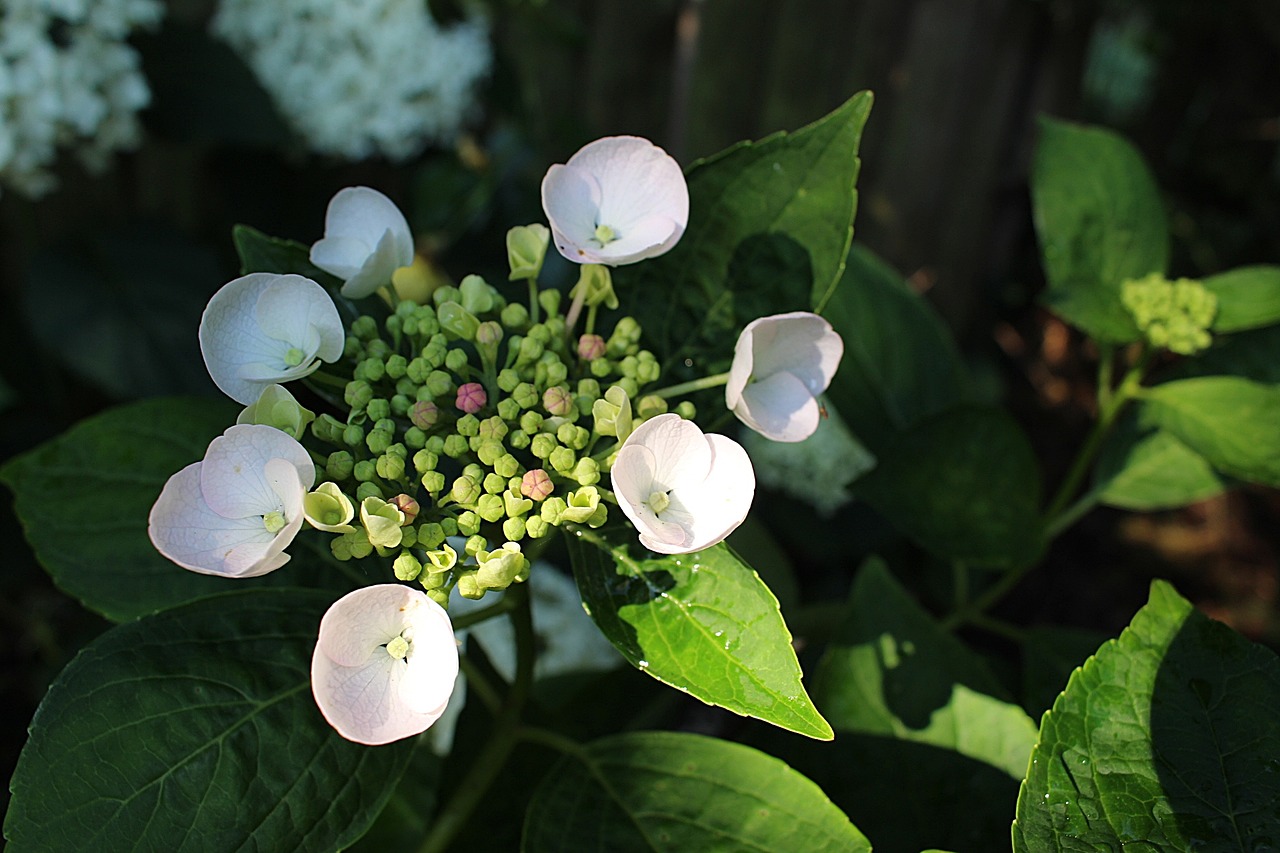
683 490
385 663
68 79
817 470
366 239
780 364
265 328
233 513
378 77
618 200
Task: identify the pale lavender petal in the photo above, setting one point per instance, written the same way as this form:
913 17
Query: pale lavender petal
633 483
723 500
235 481
571 200
801 343
636 241
679 449
378 268
341 256
636 177
299 312
780 408
185 530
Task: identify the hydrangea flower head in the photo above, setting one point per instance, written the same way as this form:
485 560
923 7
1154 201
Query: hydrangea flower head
366 239
264 328
683 490
233 513
385 664
618 200
780 364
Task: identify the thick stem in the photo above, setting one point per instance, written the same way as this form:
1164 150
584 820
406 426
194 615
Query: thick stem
472 789
691 386
534 307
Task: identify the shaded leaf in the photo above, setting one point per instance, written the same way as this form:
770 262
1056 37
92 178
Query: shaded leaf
892 670
1100 221
649 791
1166 739
115 464
703 622
1148 470
262 253
1050 654
900 362
195 730
1248 297
1254 354
1231 422
964 485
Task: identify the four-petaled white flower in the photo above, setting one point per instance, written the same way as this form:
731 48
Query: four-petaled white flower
366 239
780 364
265 328
233 513
618 200
385 663
683 490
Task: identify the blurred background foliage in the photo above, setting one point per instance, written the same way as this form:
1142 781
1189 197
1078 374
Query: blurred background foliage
103 280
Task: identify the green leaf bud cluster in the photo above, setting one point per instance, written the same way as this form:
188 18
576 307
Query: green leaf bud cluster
1172 315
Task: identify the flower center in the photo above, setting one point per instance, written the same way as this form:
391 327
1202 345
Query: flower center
605 235
398 648
273 521
658 501
293 357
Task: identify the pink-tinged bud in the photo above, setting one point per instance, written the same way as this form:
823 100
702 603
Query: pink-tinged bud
406 505
471 397
557 401
424 414
536 485
590 347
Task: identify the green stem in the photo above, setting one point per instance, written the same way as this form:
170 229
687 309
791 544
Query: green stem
503 605
555 740
692 385
472 789
480 685
534 307
328 379
590 326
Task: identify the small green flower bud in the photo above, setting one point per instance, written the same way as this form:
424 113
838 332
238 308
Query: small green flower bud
581 505
650 406
382 522
455 360
442 559
488 451
573 436
424 461
586 472
647 370
397 365
536 485
370 370
535 527
588 387
552 509
506 466
494 484
490 507
406 566
531 422
530 350
415 438
457 321
508 379
378 409
449 525
439 383
377 350
364 327
513 529
465 491
474 471
431 535
494 428
562 459
353 435
328 509
468 425
417 370
340 465
367 490
557 400
550 302
601 368
352 348
487 338
526 250
365 470
543 445
551 372
686 410
468 586
478 296
328 429
468 523
624 338
508 409
434 353
400 404
475 544
518 439
378 440
526 396
433 482
357 394
439 596
515 317
628 366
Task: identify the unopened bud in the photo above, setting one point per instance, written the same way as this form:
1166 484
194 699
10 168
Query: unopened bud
526 250
408 506
477 296
471 397
590 347
557 400
536 485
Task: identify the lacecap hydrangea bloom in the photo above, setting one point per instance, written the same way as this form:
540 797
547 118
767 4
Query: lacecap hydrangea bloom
377 77
233 513
683 490
68 78
617 201
385 663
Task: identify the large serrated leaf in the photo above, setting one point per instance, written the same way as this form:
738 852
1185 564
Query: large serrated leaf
769 227
1100 221
1151 469
891 670
195 730
96 547
964 484
670 791
702 622
1166 739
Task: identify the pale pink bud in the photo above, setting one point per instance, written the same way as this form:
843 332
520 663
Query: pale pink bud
471 397
536 485
590 347
424 414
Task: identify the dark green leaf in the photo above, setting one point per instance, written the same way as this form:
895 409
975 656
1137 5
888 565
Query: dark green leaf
769 227
1146 470
651 791
1231 422
95 546
195 730
260 253
703 622
1049 655
891 670
1100 221
1254 354
963 484
1166 739
1248 298
900 362
122 310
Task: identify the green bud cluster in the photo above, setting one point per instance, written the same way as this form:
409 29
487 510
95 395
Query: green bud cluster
480 418
1172 315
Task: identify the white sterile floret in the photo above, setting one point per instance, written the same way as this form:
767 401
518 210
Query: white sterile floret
366 239
359 79
780 364
618 200
68 79
683 490
265 328
385 664
233 513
